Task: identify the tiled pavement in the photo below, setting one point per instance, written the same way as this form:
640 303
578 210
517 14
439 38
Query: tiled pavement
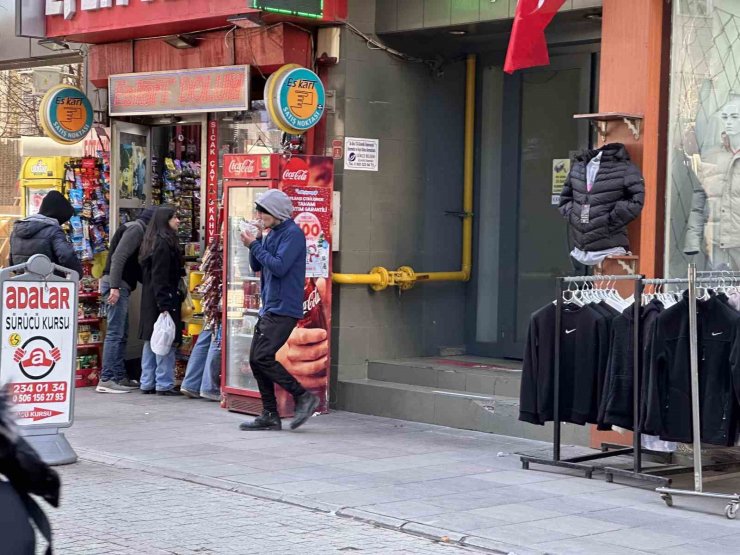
423 479
116 511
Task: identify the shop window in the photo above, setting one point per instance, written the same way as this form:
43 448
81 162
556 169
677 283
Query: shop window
703 190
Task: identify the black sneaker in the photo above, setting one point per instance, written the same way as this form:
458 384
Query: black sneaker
130 384
266 421
169 393
148 391
305 406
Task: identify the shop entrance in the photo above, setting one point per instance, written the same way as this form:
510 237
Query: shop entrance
523 241
158 162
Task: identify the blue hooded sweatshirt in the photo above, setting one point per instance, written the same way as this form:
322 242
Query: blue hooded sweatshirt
281 257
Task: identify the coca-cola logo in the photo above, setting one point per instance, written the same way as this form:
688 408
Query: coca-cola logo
245 166
312 301
300 176
296 172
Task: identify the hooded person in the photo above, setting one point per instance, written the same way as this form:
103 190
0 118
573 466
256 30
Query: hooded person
280 256
121 275
42 233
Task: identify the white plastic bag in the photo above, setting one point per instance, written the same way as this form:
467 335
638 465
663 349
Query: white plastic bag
163 335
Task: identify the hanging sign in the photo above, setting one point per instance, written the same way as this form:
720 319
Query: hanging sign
295 98
212 180
66 114
37 358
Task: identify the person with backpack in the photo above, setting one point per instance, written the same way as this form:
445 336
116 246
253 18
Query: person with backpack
42 233
120 277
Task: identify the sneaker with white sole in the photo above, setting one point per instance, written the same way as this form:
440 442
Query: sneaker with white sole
109 386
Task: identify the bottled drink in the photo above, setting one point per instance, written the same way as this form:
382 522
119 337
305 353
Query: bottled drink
313 308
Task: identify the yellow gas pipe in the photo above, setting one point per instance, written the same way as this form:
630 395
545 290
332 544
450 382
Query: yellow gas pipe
405 277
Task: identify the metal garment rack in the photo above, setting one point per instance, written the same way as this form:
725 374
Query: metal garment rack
667 493
637 472
577 463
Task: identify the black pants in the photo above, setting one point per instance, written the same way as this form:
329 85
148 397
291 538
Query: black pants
271 333
15 528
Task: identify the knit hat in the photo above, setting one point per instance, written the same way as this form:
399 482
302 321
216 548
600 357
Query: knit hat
146 215
56 206
275 203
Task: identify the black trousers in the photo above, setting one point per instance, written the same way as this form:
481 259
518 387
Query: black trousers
271 333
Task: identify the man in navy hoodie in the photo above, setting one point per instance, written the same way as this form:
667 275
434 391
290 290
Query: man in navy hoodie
281 257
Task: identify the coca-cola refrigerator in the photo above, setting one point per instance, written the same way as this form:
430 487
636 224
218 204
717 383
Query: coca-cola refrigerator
309 182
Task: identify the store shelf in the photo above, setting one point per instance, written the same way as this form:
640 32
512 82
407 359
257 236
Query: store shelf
244 335
88 370
251 278
89 296
89 320
254 311
89 345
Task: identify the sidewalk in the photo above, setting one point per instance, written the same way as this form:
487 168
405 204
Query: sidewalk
424 479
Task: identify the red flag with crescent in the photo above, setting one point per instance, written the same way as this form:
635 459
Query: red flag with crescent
528 45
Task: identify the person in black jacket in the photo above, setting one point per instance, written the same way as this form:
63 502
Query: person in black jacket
163 267
42 233
599 210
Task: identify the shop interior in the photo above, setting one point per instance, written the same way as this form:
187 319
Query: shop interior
159 160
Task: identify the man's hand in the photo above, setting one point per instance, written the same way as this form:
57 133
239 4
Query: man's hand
113 296
248 238
306 355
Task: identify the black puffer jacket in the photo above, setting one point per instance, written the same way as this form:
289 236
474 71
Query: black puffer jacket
40 234
615 199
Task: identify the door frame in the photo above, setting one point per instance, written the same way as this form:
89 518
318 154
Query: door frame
586 59
116 203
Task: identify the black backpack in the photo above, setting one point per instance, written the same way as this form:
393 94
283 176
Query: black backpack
22 473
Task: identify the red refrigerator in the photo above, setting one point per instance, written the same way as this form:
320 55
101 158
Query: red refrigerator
309 182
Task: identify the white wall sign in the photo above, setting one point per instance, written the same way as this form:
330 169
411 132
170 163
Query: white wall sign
37 357
361 154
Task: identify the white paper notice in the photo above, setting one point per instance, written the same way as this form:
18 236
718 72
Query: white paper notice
361 154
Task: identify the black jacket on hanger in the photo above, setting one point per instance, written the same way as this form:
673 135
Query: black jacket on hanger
668 410
617 399
598 218
583 351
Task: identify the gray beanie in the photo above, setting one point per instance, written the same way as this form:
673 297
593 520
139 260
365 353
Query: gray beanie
275 203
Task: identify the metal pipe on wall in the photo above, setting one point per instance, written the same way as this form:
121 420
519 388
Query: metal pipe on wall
405 277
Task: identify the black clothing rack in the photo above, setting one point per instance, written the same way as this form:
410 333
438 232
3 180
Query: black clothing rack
608 450
667 493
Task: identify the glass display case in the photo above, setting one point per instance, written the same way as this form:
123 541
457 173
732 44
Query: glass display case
242 291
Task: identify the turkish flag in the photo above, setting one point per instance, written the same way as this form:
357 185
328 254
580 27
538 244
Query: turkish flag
527 45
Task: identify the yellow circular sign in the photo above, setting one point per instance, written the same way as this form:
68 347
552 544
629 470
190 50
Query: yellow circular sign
295 98
14 339
66 114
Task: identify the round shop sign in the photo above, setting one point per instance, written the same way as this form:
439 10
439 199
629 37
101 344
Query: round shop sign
66 114
295 98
